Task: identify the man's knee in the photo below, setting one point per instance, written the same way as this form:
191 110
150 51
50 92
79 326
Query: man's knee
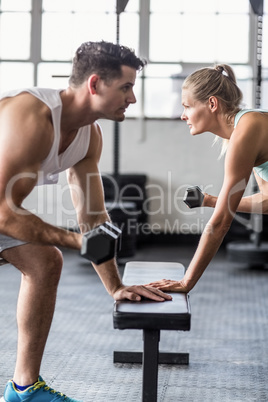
42 265
50 265
38 263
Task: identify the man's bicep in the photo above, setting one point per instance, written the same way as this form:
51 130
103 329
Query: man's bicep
87 191
86 176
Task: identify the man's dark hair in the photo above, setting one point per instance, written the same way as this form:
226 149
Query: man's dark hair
102 58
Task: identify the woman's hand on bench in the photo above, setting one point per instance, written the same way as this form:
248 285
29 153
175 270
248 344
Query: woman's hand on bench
138 292
169 285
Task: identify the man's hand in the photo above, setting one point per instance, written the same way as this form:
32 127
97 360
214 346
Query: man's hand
170 286
136 292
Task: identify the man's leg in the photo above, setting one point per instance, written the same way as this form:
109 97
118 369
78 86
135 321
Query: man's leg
41 269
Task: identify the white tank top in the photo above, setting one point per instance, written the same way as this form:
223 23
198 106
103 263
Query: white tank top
55 163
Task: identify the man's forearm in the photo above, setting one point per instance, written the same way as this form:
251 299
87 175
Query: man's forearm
108 271
25 226
109 276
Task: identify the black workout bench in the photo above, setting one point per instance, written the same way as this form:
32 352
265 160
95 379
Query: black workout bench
151 317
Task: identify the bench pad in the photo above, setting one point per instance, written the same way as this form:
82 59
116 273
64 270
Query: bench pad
148 314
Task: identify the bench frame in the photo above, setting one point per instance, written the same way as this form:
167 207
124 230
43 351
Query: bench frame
130 315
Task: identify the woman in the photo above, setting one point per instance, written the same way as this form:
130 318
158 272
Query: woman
211 101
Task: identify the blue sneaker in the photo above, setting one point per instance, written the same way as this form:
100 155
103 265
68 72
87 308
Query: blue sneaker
39 392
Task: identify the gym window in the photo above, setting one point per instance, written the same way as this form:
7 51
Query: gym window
16 70
38 39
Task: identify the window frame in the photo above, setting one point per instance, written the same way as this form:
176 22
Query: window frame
144 31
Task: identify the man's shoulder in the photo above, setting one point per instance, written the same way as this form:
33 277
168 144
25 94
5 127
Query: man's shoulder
51 97
26 114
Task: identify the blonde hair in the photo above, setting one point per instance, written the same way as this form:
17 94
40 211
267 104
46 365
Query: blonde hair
218 81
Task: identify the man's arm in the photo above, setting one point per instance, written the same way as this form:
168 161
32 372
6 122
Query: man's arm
88 199
26 137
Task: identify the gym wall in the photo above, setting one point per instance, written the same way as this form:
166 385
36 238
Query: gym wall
171 159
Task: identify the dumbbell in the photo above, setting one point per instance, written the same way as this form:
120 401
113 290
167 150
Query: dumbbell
193 197
100 244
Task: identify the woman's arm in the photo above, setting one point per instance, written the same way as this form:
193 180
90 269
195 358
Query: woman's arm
256 203
240 159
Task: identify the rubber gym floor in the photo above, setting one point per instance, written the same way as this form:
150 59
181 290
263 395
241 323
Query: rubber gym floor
227 343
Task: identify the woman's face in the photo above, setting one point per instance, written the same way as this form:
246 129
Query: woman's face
196 114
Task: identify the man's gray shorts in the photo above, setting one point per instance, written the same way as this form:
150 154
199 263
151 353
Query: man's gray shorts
8 242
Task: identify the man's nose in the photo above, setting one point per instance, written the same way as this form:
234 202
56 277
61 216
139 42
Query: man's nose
132 98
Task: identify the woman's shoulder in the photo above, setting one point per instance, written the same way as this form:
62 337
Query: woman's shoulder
242 112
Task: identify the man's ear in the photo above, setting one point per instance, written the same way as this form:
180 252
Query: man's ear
213 103
92 83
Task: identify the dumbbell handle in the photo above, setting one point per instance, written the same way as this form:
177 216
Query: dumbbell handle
193 197
100 244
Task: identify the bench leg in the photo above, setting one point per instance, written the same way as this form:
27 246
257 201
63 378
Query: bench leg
150 365
125 356
150 358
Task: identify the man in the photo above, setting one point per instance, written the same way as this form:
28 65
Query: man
44 132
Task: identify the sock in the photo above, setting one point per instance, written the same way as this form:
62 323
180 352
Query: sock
22 388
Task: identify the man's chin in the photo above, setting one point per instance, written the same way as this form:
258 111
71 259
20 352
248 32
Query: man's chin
120 118
115 118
